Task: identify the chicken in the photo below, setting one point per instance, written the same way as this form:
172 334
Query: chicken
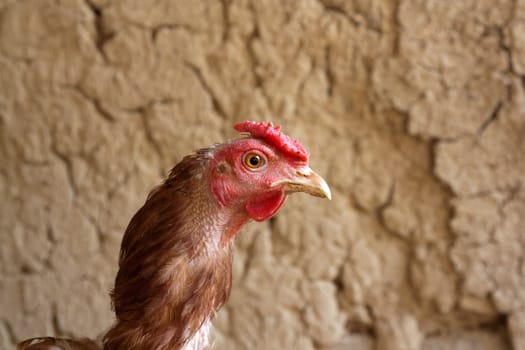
175 265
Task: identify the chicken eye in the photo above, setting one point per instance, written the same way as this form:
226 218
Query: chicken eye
253 160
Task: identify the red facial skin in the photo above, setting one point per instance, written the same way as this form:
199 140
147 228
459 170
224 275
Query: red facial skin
235 185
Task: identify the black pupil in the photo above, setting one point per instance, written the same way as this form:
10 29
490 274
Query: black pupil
254 160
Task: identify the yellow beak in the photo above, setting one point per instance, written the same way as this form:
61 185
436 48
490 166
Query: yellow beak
307 181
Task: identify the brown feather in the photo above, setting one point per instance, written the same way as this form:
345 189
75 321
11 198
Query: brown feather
170 280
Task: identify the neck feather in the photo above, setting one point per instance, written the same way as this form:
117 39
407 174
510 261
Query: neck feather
175 263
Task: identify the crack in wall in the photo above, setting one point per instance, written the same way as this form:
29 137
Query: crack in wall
101 35
68 165
150 138
491 119
94 224
449 196
397 29
329 74
217 107
226 19
10 333
339 11
508 89
500 31
95 102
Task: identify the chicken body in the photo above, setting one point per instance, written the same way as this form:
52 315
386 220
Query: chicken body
175 265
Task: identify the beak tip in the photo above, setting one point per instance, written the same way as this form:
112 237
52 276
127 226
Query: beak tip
326 191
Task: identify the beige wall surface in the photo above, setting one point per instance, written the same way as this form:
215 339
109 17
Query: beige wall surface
413 110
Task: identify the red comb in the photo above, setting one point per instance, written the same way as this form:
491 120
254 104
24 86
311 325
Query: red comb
273 136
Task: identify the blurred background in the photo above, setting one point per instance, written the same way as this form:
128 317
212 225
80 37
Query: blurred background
413 110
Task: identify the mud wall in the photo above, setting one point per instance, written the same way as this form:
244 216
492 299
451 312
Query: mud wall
414 111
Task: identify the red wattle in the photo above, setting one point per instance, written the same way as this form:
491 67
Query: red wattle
266 206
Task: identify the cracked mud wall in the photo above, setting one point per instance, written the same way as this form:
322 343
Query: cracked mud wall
413 110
